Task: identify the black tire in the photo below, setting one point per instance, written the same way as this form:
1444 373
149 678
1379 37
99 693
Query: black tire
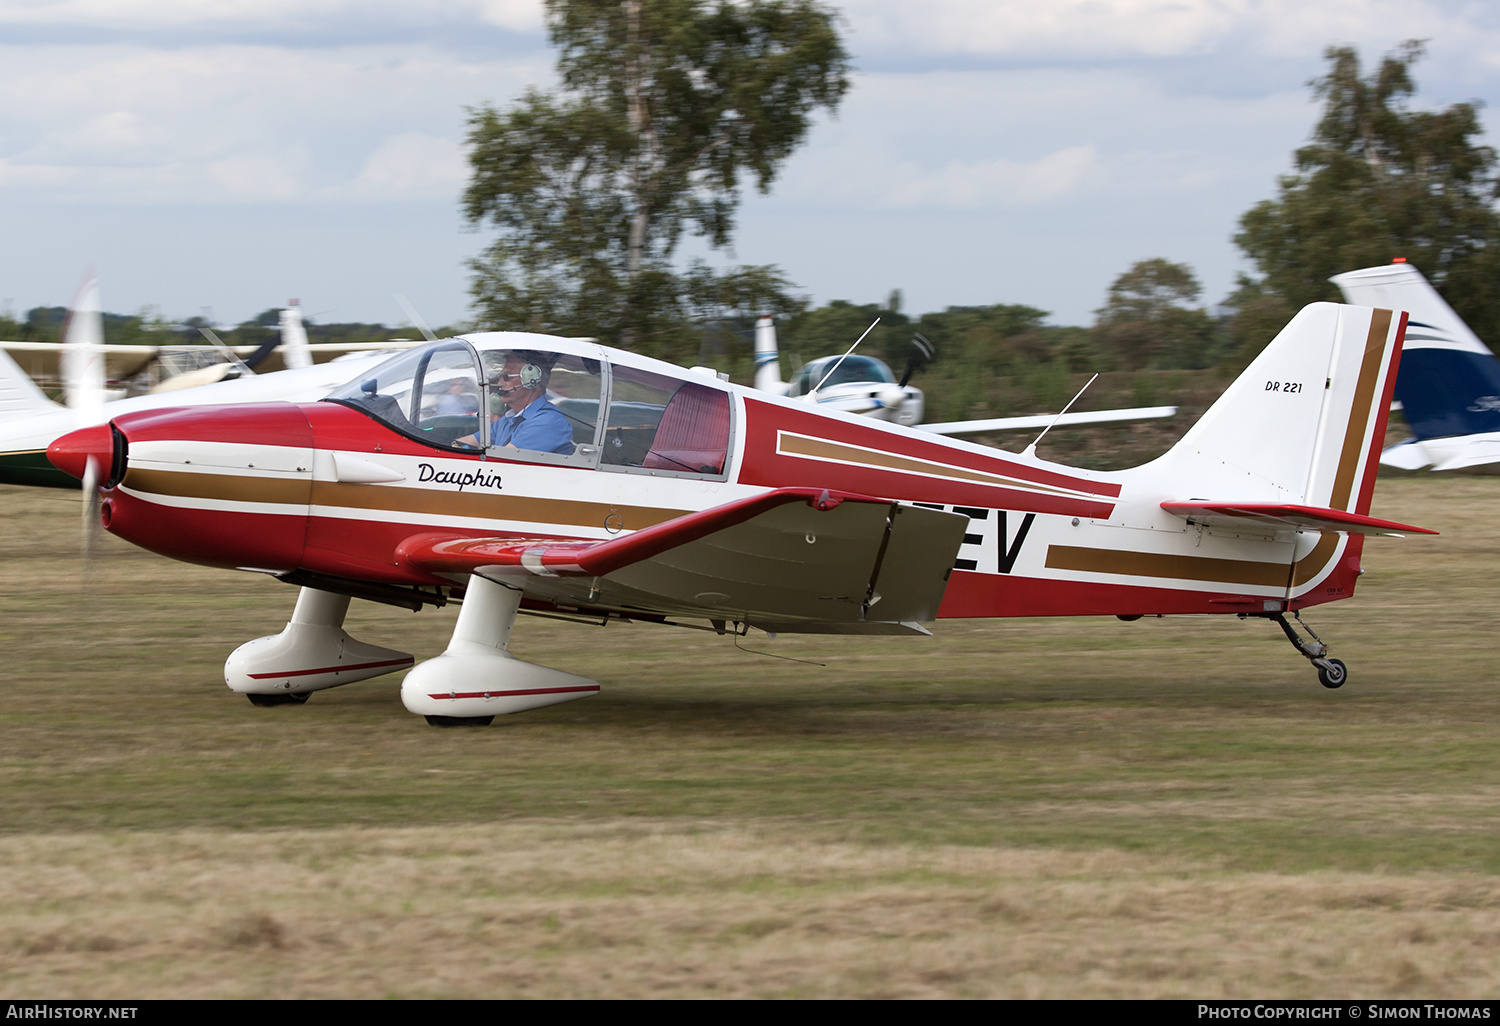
265 701
1333 674
460 721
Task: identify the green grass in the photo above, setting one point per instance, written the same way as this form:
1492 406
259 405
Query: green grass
1193 738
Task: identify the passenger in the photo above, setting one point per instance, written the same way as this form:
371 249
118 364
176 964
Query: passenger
458 401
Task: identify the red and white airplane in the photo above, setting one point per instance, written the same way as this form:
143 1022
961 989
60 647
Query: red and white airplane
665 494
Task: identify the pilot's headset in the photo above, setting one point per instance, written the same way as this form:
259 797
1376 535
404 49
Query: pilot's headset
532 374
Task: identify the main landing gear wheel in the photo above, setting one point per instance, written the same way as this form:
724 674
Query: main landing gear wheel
460 721
280 699
1332 673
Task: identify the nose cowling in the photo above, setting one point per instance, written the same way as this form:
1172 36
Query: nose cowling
218 485
71 453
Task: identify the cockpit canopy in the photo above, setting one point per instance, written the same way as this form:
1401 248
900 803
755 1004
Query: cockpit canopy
854 370
538 398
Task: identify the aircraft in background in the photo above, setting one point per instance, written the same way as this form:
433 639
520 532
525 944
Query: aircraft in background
30 421
634 490
1449 386
138 369
865 385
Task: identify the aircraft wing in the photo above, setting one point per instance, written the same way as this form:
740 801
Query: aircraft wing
1286 516
40 359
971 427
324 352
789 556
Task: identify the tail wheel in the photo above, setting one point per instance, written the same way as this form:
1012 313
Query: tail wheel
1332 673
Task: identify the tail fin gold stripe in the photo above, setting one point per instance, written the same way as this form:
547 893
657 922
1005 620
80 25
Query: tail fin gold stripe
1364 403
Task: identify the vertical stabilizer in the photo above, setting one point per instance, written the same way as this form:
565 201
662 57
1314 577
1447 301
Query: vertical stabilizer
767 358
1450 382
294 352
1305 422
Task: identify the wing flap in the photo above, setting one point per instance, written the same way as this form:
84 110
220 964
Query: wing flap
1287 516
792 554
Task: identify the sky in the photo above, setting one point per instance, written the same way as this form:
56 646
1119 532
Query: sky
226 155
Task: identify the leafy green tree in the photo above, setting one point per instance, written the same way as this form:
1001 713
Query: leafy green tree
665 106
832 328
1146 320
1378 181
992 338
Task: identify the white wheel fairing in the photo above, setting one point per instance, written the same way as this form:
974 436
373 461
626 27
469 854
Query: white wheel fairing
313 652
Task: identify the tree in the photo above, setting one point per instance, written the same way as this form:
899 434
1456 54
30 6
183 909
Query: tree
665 106
1379 181
1146 322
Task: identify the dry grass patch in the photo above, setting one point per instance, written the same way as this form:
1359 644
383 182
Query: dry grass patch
664 909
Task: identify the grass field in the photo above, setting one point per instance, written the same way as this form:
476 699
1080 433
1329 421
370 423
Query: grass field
1058 808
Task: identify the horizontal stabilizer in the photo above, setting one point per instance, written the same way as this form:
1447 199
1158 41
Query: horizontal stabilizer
974 427
1407 455
791 554
1286 515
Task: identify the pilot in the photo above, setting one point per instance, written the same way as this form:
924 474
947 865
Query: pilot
521 415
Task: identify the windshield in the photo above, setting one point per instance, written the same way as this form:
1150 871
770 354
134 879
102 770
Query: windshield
854 370
431 394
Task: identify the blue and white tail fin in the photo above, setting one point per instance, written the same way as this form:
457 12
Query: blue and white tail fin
1449 387
767 358
295 353
1304 423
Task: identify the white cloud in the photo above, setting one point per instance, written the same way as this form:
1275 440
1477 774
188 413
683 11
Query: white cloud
222 123
272 15
413 165
1126 128
1152 28
997 183
255 178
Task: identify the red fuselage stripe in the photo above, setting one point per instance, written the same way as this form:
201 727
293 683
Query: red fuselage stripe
332 669
523 691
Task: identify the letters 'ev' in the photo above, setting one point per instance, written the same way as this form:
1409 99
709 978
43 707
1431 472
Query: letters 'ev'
519 471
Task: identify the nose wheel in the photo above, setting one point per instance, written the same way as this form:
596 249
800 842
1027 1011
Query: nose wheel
1331 672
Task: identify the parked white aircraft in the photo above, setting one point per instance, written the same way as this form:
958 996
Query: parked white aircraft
165 368
29 421
1449 384
865 385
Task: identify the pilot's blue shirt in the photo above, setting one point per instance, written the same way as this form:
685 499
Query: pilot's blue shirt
540 427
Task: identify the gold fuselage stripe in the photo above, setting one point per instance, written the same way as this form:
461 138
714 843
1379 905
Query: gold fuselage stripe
477 505
801 445
196 484
1167 566
1155 564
